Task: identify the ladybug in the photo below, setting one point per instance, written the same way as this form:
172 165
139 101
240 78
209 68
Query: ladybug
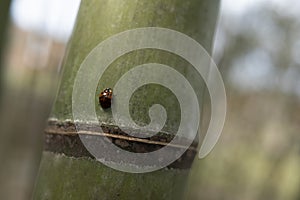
105 98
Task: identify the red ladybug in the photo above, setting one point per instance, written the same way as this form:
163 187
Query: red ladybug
105 98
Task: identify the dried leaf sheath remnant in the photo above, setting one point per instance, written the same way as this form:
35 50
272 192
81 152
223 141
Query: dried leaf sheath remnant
61 137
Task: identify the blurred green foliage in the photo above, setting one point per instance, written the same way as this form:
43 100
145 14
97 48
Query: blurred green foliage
258 155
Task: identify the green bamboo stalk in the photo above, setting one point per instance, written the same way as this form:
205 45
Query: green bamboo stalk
74 176
4 15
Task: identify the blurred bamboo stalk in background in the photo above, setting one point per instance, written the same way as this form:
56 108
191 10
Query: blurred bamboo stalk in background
4 16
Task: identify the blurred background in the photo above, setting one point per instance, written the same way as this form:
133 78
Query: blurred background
33 48
257 49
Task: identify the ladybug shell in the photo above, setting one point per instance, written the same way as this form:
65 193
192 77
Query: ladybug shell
105 98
